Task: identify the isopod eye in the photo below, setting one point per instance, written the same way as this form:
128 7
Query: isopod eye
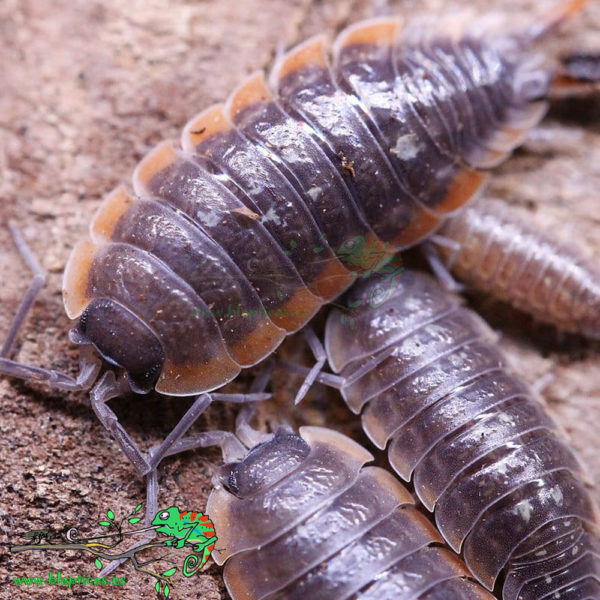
163 515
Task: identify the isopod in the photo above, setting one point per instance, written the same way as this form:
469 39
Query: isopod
235 239
579 75
435 389
501 254
300 516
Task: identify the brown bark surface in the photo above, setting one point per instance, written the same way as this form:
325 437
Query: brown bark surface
87 89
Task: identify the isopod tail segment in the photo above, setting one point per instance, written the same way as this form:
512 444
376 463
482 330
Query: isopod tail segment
105 387
548 23
578 75
574 74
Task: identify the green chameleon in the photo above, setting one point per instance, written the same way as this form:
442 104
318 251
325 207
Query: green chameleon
187 529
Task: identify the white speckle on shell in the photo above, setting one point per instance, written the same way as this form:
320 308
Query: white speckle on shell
271 215
557 495
314 192
524 509
407 146
210 219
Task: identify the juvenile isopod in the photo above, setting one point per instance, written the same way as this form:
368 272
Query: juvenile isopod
483 455
233 239
499 253
300 516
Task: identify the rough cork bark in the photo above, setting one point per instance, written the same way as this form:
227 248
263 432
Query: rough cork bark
87 89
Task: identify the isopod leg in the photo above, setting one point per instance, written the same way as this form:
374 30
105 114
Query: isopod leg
328 379
247 435
198 407
89 364
89 367
170 446
440 269
106 389
541 383
445 242
320 356
174 442
232 448
314 373
230 445
152 509
37 283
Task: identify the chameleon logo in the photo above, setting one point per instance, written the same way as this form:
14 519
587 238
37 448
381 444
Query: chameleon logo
179 529
187 528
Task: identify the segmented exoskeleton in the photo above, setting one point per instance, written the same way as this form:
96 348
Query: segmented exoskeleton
276 201
301 517
433 386
235 239
499 253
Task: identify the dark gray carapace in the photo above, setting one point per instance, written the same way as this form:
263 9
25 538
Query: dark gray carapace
236 238
435 389
301 517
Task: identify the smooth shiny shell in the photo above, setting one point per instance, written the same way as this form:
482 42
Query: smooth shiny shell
312 522
273 202
432 386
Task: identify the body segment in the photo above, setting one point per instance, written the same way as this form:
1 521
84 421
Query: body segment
300 516
234 239
433 388
511 260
